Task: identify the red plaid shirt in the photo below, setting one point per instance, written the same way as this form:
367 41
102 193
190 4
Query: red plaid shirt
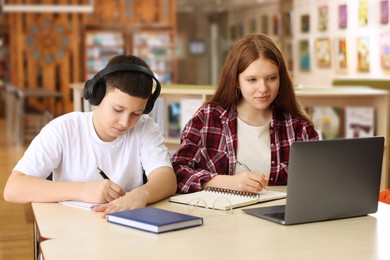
209 143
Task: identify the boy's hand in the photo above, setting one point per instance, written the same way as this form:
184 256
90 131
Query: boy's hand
101 191
136 198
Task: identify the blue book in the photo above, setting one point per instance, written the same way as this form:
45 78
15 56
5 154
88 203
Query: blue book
154 219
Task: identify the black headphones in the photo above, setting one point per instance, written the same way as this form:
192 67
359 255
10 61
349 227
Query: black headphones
95 88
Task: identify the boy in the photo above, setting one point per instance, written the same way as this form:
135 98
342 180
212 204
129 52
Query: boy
100 156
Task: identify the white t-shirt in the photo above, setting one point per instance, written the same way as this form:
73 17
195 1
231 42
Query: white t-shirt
253 147
69 147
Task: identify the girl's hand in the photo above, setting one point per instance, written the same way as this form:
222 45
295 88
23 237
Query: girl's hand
250 182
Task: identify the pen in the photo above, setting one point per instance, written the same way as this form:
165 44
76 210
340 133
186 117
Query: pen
246 168
243 166
102 173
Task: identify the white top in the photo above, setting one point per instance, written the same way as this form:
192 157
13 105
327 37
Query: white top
69 147
253 147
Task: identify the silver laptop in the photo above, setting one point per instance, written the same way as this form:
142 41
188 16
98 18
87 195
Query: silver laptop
329 179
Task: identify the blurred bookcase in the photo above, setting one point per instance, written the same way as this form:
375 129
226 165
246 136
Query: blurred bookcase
341 97
175 106
358 97
157 50
100 47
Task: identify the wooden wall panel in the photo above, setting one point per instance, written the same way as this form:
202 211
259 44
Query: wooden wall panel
47 46
32 71
18 70
32 64
47 49
116 13
77 46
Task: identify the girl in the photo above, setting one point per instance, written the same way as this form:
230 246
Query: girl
241 139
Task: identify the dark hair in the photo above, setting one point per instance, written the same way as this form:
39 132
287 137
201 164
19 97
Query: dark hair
133 83
245 51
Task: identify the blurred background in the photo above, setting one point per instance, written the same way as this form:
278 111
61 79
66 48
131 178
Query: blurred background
49 48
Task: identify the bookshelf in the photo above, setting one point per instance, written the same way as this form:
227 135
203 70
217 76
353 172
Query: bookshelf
308 96
177 93
100 47
156 48
355 96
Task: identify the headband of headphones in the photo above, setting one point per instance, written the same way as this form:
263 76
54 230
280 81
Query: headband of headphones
95 88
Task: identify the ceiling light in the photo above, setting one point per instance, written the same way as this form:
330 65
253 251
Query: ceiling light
46 8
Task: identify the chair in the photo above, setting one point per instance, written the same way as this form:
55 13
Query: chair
23 120
10 100
384 196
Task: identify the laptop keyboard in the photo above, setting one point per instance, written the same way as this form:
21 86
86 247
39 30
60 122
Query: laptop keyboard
276 215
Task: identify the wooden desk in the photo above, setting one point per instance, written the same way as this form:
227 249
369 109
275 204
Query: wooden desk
81 234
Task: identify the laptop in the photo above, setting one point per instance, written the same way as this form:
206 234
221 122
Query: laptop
329 179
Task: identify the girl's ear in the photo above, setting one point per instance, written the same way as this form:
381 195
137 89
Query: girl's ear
238 92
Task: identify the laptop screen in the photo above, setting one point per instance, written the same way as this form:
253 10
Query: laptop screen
332 179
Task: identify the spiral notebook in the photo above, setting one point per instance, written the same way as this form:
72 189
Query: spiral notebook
225 199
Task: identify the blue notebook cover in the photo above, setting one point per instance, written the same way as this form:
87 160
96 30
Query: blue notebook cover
154 219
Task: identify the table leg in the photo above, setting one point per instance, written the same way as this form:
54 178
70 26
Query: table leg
37 240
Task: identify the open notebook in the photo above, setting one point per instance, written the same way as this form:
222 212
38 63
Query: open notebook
224 199
79 204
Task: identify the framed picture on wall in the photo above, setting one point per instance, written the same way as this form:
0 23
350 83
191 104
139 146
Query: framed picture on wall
343 16
264 24
197 47
363 12
384 12
252 25
322 52
305 23
240 30
288 53
286 23
304 55
323 18
233 32
275 24
385 50
363 54
341 58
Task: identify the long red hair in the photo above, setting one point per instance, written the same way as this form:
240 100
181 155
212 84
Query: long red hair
245 51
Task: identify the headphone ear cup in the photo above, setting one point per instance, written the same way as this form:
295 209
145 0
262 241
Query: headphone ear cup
153 97
149 105
88 88
99 90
